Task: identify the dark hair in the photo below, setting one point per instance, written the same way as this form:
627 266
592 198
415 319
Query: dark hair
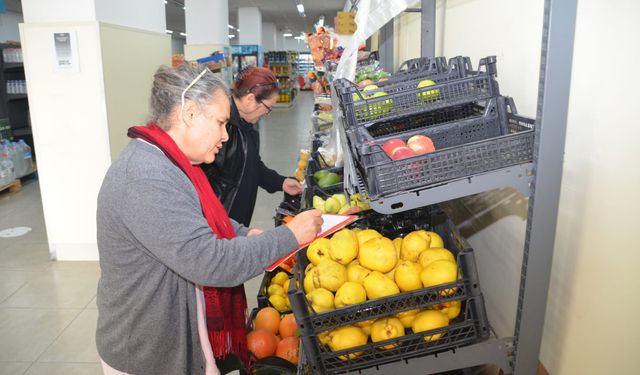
259 81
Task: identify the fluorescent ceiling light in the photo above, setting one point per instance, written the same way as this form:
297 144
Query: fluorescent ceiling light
184 8
183 34
231 27
231 36
169 31
165 1
238 30
287 35
300 8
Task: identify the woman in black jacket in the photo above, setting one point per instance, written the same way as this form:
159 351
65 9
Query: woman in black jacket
238 169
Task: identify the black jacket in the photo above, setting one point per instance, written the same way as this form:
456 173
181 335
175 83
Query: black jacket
238 170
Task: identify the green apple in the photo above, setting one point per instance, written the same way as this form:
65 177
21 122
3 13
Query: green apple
332 205
430 95
318 203
377 109
369 88
341 198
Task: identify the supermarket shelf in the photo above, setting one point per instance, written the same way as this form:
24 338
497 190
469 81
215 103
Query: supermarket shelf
518 177
11 97
8 66
22 131
494 351
282 76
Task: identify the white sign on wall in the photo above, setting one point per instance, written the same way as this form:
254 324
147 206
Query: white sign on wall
65 52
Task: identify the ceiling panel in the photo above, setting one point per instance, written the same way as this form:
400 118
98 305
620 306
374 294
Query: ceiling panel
282 13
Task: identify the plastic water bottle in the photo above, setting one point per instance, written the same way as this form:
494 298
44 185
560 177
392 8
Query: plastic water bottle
7 173
17 157
28 156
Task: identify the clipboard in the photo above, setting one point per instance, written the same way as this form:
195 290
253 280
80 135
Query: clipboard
332 224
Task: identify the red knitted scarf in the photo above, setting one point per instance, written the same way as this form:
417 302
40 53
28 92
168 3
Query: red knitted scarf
226 307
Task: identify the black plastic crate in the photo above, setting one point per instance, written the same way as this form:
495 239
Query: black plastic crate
312 187
456 67
290 203
263 296
458 85
472 139
373 57
323 193
470 327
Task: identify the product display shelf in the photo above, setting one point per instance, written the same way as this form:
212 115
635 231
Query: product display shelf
519 177
518 353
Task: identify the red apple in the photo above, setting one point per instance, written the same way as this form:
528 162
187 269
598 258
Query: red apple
421 144
402 153
392 145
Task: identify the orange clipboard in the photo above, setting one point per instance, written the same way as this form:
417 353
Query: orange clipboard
332 224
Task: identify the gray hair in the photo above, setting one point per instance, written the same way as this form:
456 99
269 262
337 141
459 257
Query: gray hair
168 84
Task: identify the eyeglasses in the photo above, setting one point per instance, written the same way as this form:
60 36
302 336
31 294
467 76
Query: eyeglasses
195 80
266 106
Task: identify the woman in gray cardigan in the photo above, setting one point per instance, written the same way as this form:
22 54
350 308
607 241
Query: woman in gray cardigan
170 296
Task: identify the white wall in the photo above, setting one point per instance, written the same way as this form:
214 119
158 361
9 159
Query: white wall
290 44
406 33
250 25
139 14
9 26
127 90
590 325
58 10
509 29
268 36
68 116
206 21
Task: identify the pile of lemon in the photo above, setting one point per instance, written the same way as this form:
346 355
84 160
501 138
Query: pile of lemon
354 266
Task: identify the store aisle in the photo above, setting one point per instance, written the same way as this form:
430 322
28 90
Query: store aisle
282 134
47 309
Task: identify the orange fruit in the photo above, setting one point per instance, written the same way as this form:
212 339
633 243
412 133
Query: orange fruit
268 319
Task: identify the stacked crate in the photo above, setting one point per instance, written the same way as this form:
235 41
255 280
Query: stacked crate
474 128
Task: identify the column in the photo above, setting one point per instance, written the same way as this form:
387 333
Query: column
206 24
268 37
79 116
250 25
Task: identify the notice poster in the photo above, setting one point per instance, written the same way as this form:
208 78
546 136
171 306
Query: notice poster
65 52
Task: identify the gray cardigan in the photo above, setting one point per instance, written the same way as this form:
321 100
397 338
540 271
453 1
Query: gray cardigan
154 245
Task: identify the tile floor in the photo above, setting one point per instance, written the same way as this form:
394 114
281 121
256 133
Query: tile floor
47 309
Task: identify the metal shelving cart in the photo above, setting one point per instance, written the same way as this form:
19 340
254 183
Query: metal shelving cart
538 180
